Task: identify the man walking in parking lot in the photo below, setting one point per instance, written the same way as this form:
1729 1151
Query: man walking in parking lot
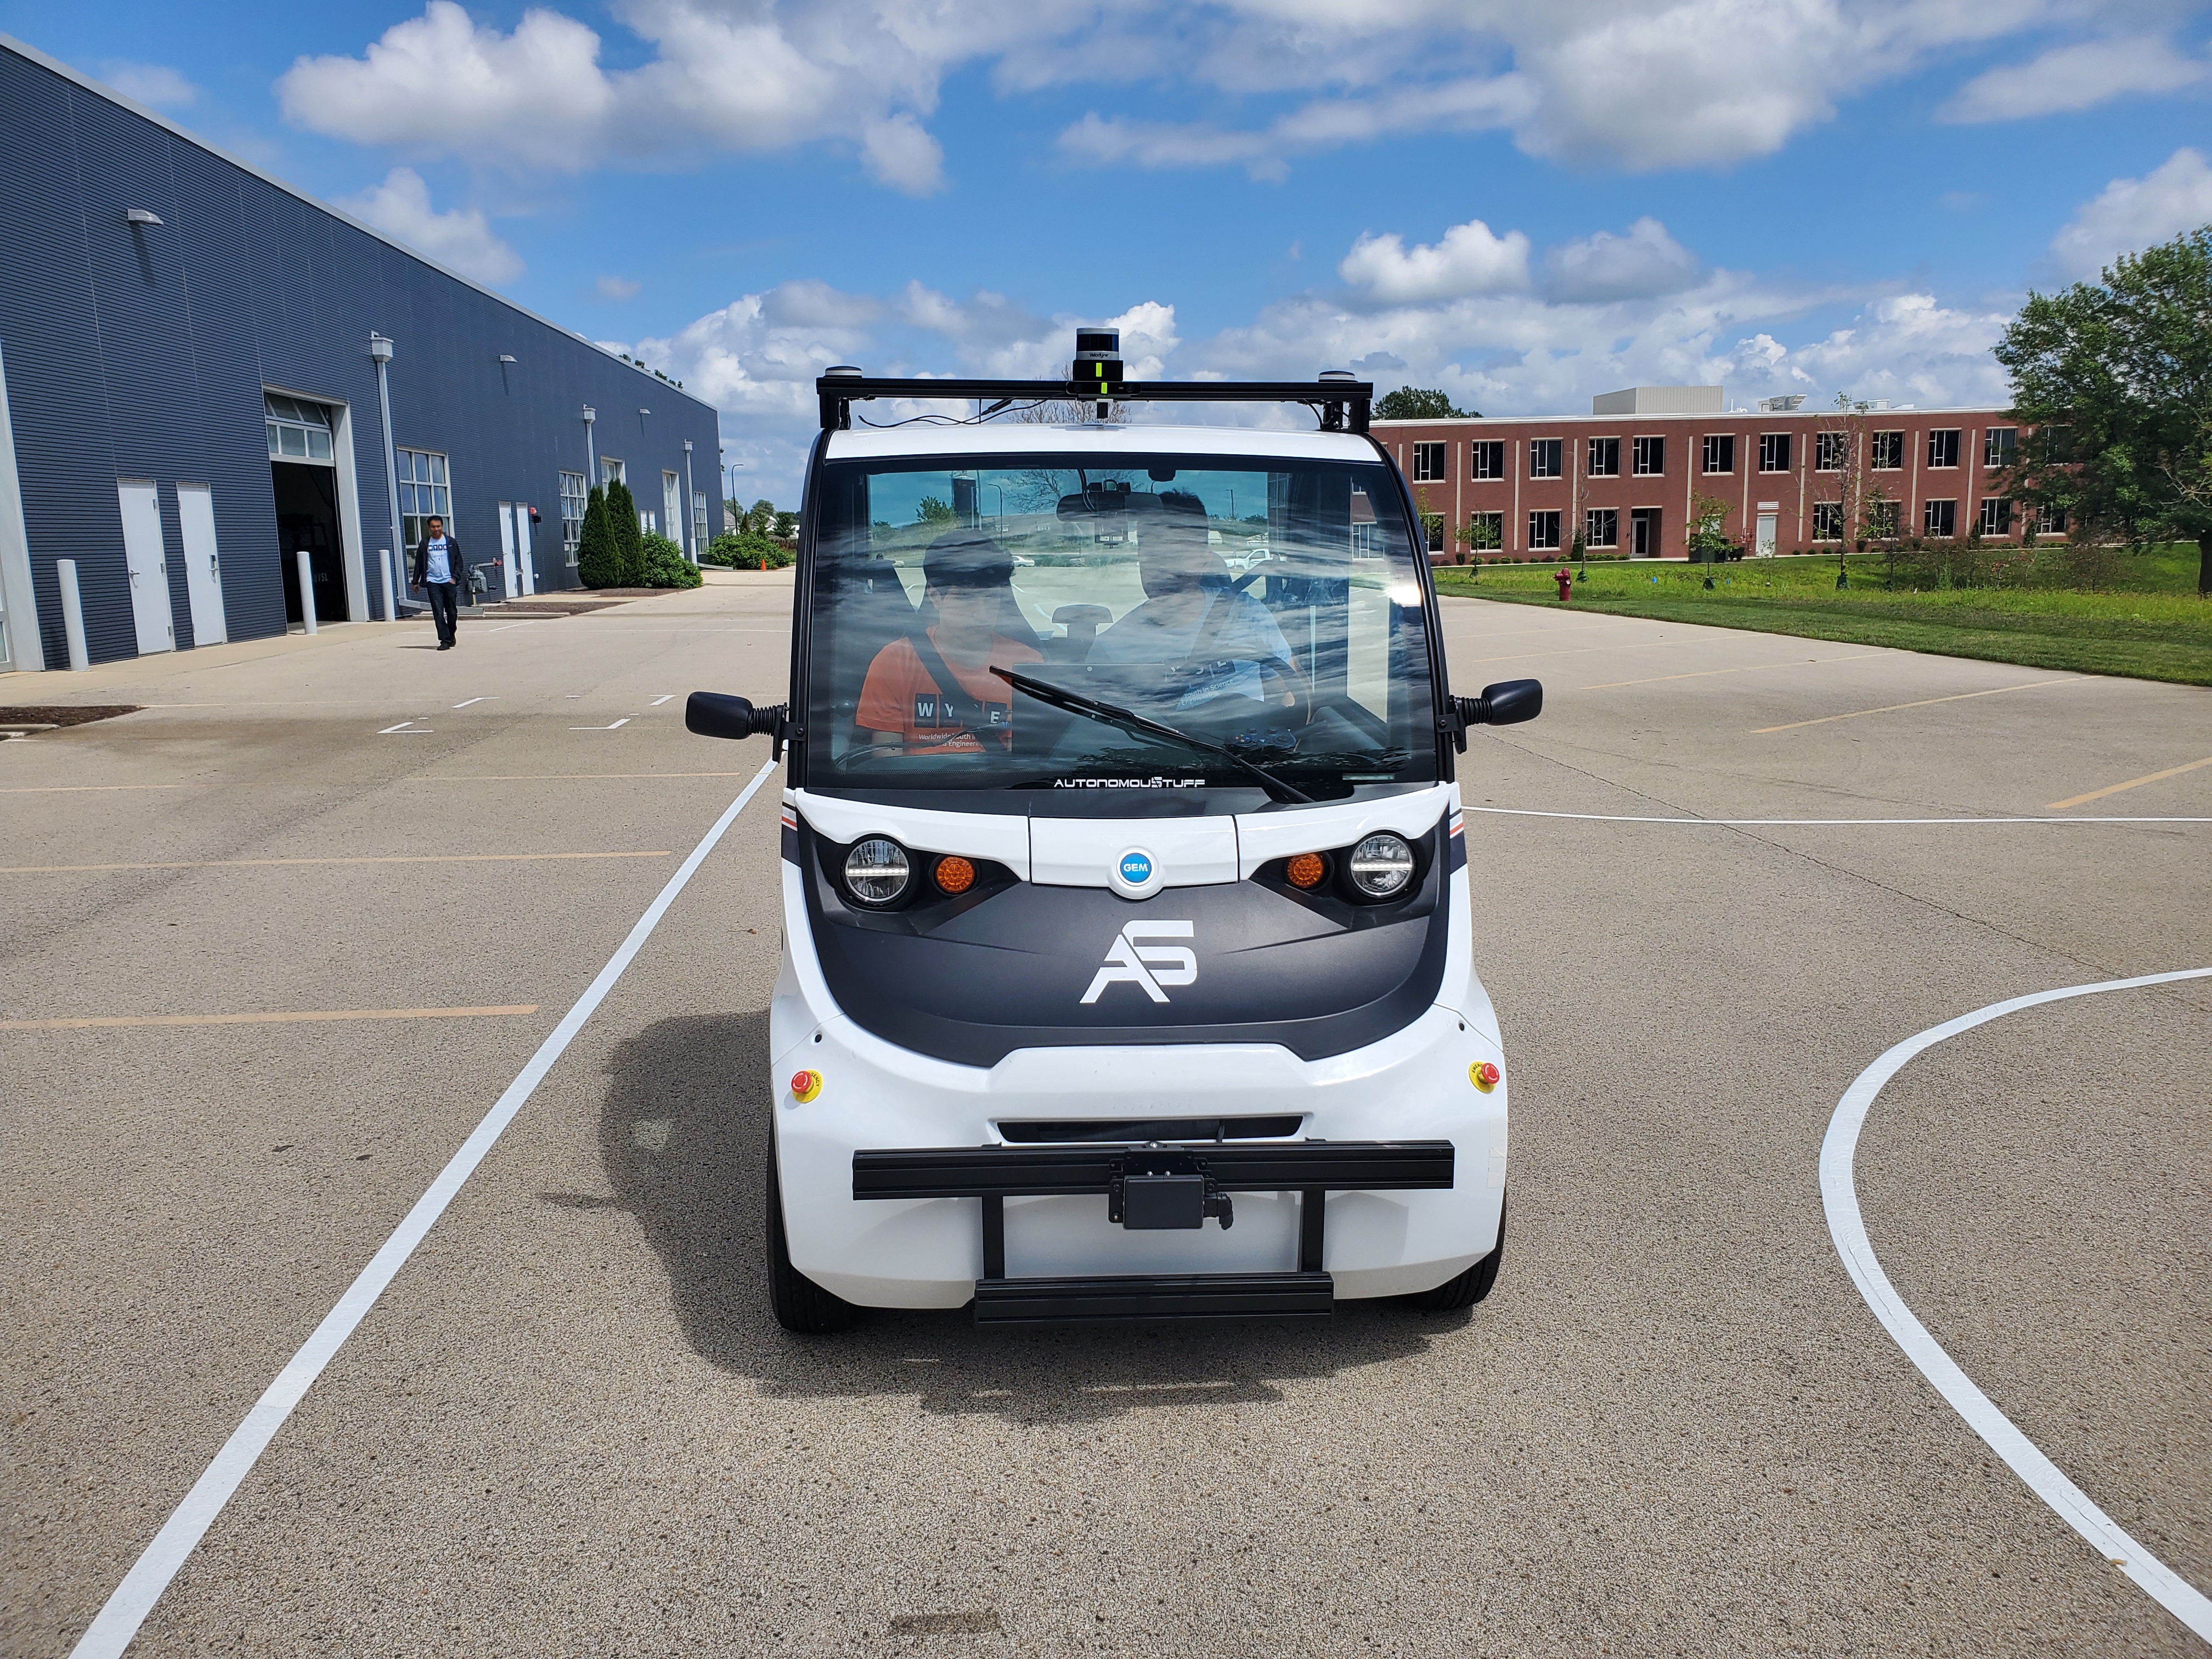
437 572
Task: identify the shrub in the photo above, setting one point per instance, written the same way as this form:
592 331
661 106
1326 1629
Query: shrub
629 535
664 565
598 554
745 550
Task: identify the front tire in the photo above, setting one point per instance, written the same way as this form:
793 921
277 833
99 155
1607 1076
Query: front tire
800 1305
1469 1287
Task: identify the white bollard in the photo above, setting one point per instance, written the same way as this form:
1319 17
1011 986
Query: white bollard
384 558
73 615
306 590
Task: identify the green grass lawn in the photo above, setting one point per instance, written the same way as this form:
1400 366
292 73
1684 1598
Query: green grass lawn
2149 622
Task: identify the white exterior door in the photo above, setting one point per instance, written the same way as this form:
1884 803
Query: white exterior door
150 569
203 569
525 561
507 551
1767 537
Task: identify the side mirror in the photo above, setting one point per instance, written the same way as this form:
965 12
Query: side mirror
1508 702
717 714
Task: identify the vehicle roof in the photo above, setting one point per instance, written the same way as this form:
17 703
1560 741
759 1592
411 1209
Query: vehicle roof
1017 437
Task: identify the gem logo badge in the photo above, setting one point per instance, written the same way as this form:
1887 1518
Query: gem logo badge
1136 874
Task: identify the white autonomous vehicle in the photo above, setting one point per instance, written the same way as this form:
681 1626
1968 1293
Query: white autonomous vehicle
1127 967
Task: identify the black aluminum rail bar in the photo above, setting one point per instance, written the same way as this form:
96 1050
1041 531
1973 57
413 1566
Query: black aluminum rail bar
1346 405
1031 1172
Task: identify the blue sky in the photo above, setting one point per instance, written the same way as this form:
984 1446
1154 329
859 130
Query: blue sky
1522 204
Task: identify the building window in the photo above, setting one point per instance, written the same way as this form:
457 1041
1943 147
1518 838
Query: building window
2056 442
1940 518
1886 451
2050 520
1605 457
1485 531
424 488
1544 457
1827 520
1773 451
1830 450
1882 518
1486 458
1650 457
298 431
611 470
698 521
1944 447
1543 531
1996 517
1720 452
2000 447
1428 463
1601 527
572 515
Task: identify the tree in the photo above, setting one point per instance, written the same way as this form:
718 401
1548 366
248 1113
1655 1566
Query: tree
760 519
934 512
598 554
2116 375
629 535
1710 541
1414 403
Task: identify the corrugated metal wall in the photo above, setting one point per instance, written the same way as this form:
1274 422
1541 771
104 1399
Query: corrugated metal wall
143 351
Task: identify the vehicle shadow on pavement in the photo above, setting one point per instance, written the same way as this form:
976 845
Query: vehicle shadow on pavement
683 1134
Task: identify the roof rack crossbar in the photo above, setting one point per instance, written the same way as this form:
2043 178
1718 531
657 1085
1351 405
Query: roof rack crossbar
1345 405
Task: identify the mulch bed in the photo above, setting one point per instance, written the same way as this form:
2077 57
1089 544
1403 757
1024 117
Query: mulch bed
74 714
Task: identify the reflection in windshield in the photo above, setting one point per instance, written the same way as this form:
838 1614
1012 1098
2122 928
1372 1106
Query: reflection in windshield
1266 608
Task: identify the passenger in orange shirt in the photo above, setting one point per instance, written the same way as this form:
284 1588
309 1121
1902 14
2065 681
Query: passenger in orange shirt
905 702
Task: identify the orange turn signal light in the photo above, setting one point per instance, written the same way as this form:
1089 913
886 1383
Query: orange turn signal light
955 875
1306 870
1485 1076
805 1085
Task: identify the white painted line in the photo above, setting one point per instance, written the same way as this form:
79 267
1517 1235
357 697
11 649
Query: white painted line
623 721
671 697
1750 823
471 702
407 728
503 627
134 1598
1837 1194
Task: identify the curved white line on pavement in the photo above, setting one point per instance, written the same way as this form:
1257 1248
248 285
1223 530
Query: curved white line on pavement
1752 823
1840 1198
134 1598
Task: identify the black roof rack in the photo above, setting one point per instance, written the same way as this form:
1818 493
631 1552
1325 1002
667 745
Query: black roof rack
1344 404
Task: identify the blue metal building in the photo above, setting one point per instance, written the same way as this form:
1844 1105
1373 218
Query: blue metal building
204 372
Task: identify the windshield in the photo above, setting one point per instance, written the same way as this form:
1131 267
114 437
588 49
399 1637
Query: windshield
1268 608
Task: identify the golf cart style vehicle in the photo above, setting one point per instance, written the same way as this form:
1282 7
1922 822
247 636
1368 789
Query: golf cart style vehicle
1127 937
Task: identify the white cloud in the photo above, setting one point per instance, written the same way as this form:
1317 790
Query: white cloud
1646 262
616 288
461 238
1469 259
2134 214
902 154
155 85
2077 78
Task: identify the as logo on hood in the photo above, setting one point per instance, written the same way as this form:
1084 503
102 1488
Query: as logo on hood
1130 961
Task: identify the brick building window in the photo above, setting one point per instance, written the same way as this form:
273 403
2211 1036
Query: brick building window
1939 519
1486 458
2000 447
1827 521
1650 457
1605 457
2050 520
1543 458
1428 463
1944 447
1543 531
1996 517
1773 451
1601 527
1830 450
1720 452
1485 531
572 494
1882 519
1886 451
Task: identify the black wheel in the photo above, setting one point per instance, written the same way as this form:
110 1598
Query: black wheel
800 1305
1469 1287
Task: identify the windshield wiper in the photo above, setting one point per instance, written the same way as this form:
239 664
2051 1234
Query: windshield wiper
1076 702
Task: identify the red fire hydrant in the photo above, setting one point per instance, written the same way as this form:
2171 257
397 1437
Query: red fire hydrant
1566 581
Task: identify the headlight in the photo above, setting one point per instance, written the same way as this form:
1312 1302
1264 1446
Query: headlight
876 871
1382 865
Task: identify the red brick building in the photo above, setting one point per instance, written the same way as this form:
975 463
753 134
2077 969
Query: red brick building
1628 475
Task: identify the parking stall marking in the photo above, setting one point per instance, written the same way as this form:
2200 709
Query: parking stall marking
1839 1197
1747 668
252 864
103 1022
1924 702
1788 824
118 1620
2132 783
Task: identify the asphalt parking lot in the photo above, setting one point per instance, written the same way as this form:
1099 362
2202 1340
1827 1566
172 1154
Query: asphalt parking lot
571 1426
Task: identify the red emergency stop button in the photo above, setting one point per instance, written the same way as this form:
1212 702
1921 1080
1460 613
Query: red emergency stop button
805 1085
1485 1076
